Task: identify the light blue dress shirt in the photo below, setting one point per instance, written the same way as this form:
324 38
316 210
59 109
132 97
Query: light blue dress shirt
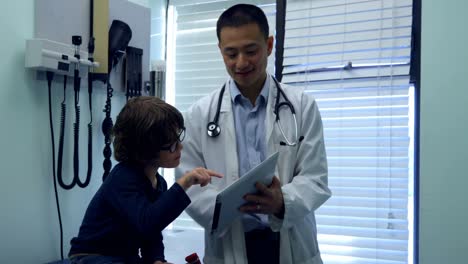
251 140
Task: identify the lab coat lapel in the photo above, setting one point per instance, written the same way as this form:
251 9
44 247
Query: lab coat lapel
226 110
227 127
270 116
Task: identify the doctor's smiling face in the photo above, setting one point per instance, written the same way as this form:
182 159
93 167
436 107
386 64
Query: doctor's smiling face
245 51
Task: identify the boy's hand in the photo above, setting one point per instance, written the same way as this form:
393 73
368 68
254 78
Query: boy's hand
200 176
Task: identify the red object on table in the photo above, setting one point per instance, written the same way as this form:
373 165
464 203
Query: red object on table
192 259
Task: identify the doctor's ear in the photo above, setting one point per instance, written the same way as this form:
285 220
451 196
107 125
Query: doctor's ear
270 42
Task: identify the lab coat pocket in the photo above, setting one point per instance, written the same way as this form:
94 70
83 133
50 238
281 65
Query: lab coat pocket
284 150
304 243
286 160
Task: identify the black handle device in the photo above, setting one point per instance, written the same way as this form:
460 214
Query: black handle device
76 40
119 37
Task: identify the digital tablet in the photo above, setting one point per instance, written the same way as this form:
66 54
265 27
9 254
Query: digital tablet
231 198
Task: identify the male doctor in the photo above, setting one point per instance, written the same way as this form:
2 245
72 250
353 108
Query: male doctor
279 222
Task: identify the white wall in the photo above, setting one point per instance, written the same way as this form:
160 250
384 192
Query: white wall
158 23
444 133
145 3
29 225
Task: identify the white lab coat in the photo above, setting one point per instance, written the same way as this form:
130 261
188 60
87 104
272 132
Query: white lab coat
302 171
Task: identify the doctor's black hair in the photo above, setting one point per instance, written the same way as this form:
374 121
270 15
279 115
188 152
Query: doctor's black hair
143 126
240 15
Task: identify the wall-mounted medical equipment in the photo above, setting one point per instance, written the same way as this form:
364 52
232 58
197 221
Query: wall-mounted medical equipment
123 70
133 72
158 79
62 30
76 40
138 18
67 60
120 35
49 55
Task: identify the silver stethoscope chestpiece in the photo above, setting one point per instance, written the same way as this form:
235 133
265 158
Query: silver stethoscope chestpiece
213 129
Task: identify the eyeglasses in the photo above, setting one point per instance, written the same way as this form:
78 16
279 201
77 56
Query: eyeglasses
173 147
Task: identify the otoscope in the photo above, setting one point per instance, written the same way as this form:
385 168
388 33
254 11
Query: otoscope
76 40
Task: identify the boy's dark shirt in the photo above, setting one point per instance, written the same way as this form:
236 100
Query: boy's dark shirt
127 214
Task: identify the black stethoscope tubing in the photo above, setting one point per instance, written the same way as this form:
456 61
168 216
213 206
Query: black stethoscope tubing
213 128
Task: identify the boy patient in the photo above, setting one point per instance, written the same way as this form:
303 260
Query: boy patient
126 216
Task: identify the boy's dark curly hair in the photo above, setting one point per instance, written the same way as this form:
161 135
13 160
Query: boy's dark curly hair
143 126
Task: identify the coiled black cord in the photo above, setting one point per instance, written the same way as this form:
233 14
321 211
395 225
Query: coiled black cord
107 125
62 140
76 132
50 76
90 132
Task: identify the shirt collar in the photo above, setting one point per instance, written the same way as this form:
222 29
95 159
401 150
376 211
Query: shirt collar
236 94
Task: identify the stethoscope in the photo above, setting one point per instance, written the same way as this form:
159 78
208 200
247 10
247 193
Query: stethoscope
213 128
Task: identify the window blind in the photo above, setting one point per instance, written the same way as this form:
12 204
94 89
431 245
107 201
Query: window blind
353 56
198 66
366 109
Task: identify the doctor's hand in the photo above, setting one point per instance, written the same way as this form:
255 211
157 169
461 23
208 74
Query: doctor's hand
268 200
200 176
